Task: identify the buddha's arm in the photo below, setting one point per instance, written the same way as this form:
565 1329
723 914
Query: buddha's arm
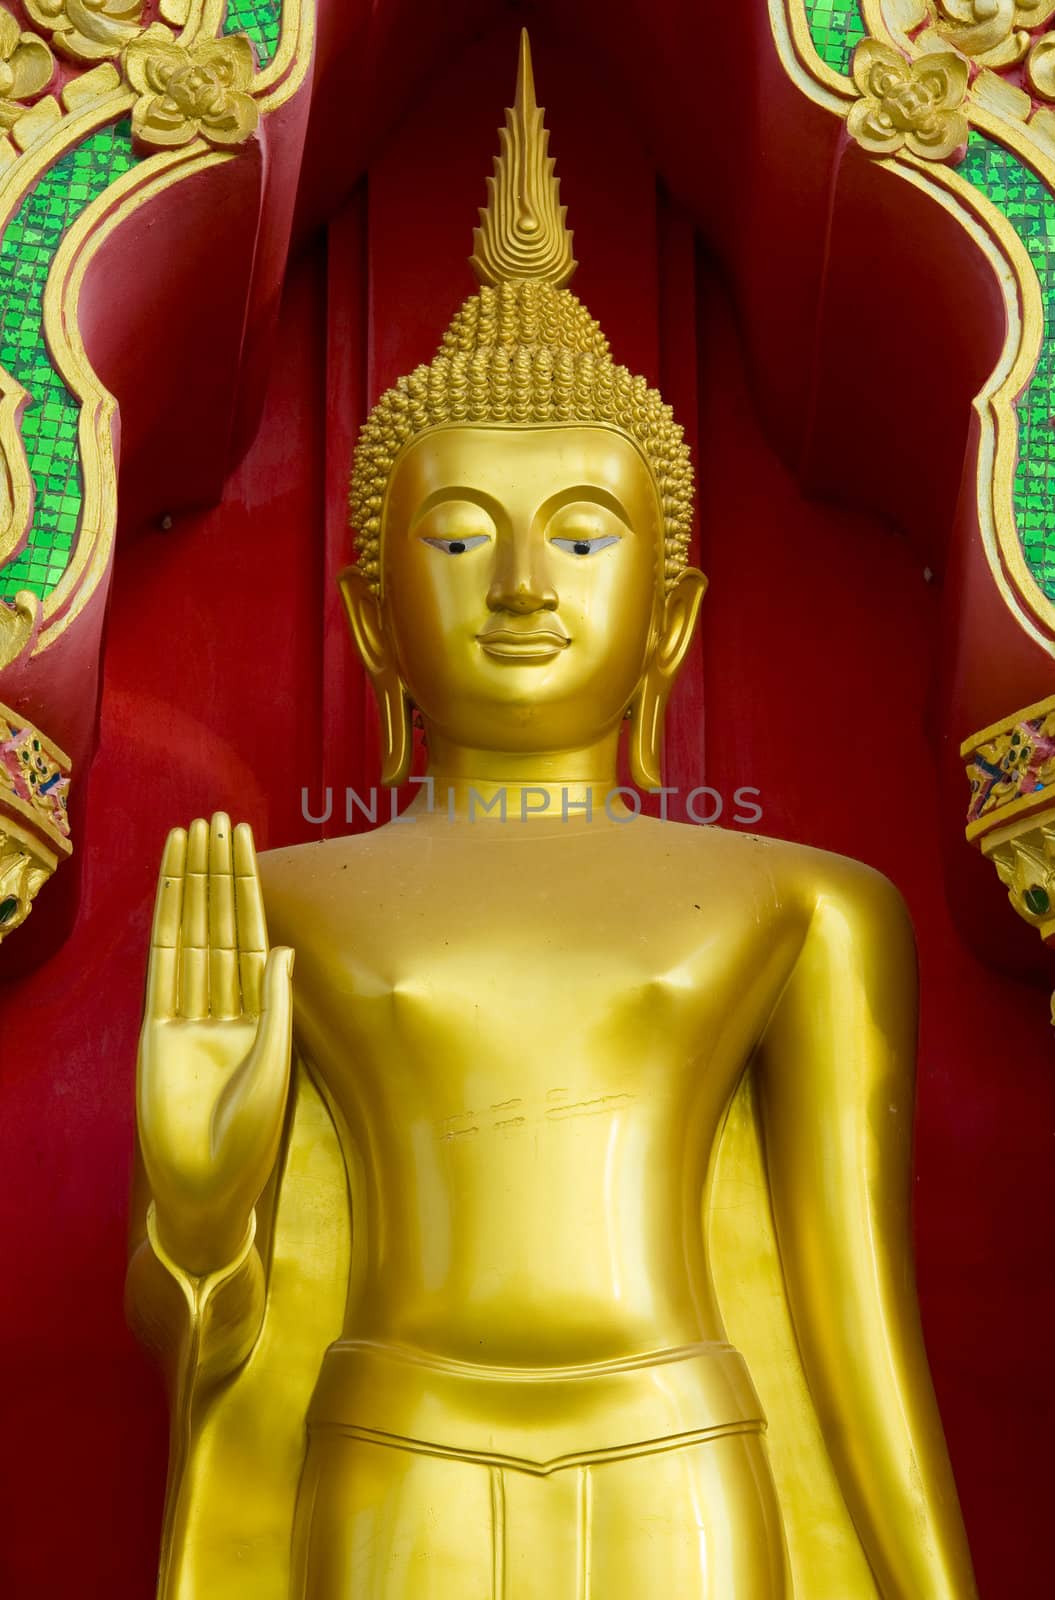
837 1088
211 1089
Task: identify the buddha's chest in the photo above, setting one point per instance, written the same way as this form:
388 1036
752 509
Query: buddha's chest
534 979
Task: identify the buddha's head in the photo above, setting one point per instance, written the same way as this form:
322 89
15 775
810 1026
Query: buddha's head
523 509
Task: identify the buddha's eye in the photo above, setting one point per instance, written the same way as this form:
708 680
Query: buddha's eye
454 526
587 546
458 547
583 527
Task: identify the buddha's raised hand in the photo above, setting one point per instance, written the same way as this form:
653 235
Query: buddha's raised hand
214 1052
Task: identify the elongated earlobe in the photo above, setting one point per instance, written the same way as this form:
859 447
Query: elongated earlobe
364 617
646 734
648 710
396 738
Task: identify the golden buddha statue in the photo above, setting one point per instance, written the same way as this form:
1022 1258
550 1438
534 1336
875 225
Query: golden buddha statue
549 1235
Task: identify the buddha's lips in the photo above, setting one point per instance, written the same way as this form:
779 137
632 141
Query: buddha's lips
523 644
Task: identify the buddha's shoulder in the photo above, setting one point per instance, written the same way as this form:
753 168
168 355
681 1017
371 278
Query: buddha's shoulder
791 868
319 860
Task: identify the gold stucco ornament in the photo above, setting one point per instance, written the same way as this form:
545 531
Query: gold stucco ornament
22 876
1040 68
1011 817
26 67
1025 862
88 30
993 33
34 820
19 621
914 105
185 92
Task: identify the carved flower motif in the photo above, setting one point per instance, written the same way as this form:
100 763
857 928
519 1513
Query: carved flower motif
26 66
89 30
992 32
911 103
184 92
1041 67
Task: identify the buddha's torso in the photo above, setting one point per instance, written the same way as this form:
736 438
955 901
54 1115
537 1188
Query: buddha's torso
529 1036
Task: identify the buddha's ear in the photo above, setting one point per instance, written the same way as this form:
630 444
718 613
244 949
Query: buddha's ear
680 613
677 626
364 616
363 606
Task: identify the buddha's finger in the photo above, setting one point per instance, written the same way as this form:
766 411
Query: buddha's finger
194 928
251 964
164 936
252 927
195 925
224 988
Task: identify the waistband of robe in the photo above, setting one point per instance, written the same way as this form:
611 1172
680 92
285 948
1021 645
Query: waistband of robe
536 1418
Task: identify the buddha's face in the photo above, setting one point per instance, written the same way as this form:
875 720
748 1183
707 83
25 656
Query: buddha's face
521 581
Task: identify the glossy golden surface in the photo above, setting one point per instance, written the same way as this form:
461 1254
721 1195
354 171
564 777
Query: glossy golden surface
521 1283
522 350
522 233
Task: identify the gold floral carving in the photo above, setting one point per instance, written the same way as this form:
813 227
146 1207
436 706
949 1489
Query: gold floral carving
184 93
911 104
1040 68
22 875
992 33
88 30
26 67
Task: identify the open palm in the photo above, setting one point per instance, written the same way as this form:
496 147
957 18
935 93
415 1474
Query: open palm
214 1051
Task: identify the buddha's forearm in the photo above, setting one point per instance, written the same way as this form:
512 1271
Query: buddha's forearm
200 1328
855 1316
837 1091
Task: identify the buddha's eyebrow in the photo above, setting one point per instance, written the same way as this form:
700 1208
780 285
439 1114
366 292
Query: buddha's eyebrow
457 491
591 492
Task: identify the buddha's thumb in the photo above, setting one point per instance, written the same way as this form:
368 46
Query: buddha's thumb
258 1089
276 998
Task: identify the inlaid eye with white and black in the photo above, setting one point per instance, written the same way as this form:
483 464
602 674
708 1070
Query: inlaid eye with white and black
584 528
586 547
458 547
455 527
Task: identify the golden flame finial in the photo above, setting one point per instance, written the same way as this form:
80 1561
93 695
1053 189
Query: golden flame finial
522 235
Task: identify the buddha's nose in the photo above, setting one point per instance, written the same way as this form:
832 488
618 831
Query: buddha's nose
520 584
524 600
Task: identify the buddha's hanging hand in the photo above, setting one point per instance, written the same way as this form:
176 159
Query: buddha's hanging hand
214 1052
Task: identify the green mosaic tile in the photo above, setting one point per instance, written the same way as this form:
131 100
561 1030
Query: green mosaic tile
837 28
261 20
49 419
1016 190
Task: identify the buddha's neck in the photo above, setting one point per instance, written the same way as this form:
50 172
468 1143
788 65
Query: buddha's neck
525 787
